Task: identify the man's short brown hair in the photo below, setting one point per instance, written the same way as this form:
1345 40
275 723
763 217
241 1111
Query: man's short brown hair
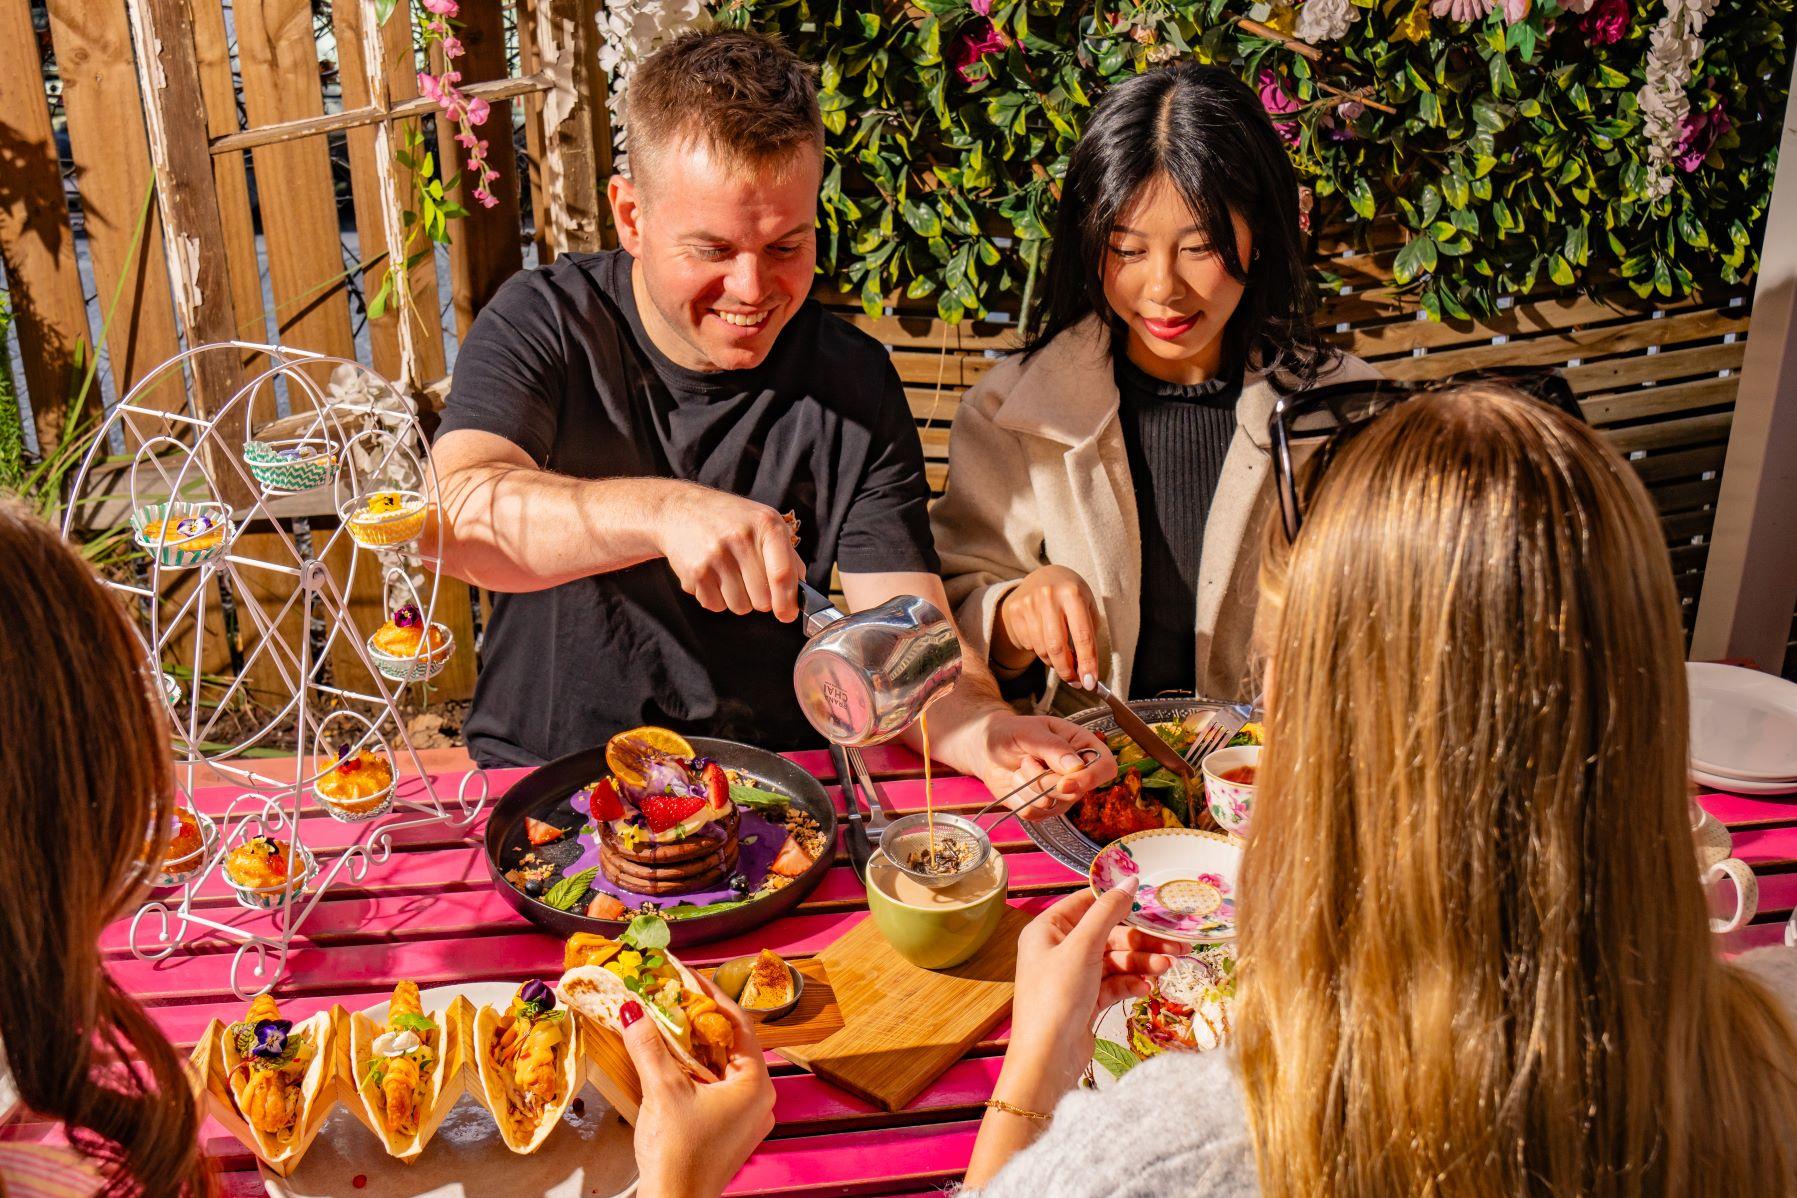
742 94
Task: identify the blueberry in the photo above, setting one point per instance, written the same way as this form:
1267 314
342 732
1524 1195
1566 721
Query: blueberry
739 883
533 887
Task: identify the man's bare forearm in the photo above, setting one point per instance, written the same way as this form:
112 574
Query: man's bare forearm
511 527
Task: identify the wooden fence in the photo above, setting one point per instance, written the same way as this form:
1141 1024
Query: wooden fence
224 153
253 142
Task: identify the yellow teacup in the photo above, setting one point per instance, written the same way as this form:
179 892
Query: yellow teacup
936 929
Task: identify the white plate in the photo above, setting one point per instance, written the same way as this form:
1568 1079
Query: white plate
1743 723
1741 786
590 1156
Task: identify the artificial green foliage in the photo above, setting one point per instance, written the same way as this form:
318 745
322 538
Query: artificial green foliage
1515 159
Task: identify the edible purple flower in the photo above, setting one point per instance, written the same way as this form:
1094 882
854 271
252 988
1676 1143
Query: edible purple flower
347 763
537 996
271 1038
408 617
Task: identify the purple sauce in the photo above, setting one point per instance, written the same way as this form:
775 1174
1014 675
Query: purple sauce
752 861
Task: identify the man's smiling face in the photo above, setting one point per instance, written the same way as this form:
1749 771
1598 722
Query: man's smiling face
725 250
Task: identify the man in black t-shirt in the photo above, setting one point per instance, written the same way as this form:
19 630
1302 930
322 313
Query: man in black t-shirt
626 431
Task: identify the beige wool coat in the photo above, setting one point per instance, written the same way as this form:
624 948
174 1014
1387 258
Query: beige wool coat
1038 475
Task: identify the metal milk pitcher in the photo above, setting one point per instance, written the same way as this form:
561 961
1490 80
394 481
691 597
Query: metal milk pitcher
863 679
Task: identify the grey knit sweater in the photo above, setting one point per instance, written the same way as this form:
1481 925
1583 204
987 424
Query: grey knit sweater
1174 1127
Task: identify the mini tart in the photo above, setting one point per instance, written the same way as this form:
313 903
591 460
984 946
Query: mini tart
395 641
371 778
260 863
186 841
187 533
385 518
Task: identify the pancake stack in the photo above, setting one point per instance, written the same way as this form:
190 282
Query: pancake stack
700 861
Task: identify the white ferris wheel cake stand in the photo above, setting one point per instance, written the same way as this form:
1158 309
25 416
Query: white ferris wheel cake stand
194 482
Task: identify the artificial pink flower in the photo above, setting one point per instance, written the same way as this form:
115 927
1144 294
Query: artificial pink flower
478 111
1606 23
1697 136
429 87
983 7
452 46
978 38
443 8
1279 103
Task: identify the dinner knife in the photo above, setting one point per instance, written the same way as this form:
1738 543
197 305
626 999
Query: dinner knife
854 836
1134 727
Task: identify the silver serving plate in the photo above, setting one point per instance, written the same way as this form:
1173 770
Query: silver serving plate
1056 835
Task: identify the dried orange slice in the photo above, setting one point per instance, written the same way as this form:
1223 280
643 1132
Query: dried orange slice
625 752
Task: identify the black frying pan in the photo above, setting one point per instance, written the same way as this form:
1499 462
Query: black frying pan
545 792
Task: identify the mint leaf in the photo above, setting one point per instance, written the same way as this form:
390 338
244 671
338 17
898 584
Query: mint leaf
568 892
411 1023
1116 1059
755 796
646 933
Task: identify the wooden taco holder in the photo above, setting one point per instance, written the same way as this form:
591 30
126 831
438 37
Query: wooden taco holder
212 1085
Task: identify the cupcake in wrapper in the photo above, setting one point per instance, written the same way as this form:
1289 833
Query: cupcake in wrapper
258 871
385 518
191 838
407 649
288 466
359 787
181 534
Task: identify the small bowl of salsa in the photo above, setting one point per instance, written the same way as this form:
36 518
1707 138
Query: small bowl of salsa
1229 779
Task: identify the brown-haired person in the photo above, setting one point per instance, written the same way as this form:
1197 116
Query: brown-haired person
1474 953
626 431
84 773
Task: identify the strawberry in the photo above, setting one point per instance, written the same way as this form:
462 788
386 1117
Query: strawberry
604 906
542 833
791 861
717 786
662 812
603 802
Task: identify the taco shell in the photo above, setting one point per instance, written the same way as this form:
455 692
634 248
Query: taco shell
215 1060
524 1138
441 1089
600 994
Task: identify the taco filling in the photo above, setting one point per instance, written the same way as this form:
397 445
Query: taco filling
525 1055
268 1080
644 970
401 1064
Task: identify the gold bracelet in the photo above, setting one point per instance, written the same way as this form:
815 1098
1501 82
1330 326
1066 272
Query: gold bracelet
999 1104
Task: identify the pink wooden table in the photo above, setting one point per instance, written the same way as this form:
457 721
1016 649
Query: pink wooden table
432 915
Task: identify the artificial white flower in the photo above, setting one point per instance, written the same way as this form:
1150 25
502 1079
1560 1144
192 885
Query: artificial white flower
1324 20
630 31
1674 50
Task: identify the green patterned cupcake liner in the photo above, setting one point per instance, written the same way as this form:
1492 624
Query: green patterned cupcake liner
302 464
168 544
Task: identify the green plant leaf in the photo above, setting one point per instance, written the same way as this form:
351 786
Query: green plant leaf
1116 1059
566 894
647 933
1360 196
384 9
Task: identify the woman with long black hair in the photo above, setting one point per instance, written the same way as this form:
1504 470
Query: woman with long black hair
1104 483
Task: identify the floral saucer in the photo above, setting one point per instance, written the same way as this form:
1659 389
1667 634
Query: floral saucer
1187 890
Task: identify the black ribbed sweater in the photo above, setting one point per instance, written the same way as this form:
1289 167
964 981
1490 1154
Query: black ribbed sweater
1177 436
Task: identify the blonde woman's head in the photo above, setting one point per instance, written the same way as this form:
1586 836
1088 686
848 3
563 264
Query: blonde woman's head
1476 957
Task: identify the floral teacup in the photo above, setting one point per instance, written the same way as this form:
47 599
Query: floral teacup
1228 794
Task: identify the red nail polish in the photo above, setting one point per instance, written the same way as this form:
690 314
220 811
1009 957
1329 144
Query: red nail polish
630 1012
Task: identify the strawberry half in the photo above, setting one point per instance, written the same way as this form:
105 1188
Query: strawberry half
542 833
662 812
604 906
603 802
717 786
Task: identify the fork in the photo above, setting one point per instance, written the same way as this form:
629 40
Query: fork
880 811
1223 726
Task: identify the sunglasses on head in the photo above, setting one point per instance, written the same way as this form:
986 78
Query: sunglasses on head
1332 414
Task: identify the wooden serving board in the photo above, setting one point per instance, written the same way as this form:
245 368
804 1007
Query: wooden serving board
907 1025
